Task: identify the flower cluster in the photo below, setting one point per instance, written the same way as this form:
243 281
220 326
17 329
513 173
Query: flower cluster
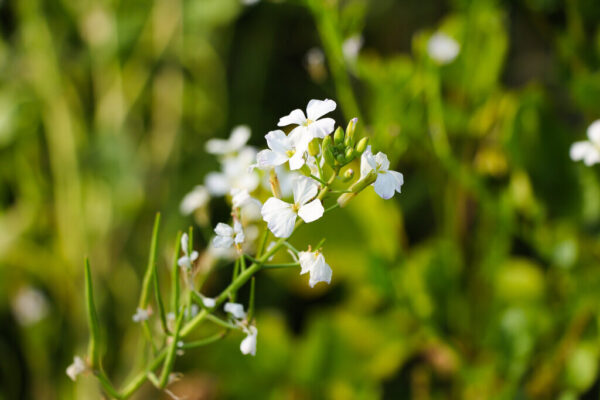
305 172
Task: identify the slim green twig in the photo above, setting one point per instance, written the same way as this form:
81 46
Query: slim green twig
92 317
175 284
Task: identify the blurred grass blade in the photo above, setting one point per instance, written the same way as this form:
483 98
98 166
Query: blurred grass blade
92 316
159 301
175 284
150 268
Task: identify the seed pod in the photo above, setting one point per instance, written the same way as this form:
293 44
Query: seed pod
362 145
338 136
313 147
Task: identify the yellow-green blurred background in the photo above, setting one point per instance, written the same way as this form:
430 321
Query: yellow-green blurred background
480 281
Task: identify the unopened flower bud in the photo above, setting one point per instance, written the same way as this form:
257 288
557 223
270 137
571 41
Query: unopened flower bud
350 129
326 149
348 174
338 136
349 154
313 147
340 158
362 145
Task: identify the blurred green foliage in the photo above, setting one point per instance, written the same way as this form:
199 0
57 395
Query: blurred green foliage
479 281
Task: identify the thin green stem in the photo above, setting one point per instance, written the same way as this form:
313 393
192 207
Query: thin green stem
141 377
204 342
321 181
220 322
284 265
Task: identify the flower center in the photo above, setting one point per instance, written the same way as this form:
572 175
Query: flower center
308 122
290 153
295 207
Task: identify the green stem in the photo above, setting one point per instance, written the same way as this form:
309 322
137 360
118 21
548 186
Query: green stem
284 265
141 377
203 342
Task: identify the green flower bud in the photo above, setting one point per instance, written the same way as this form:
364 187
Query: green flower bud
313 147
349 154
350 129
326 148
362 145
340 158
338 136
348 174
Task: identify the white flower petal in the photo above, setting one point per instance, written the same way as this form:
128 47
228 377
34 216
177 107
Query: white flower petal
317 108
442 48
222 242
223 229
248 345
278 141
217 183
307 260
208 302
321 128
383 164
385 185
304 189
593 132
297 160
239 137
279 217
399 178
579 150
184 243
320 272
312 211
216 146
235 309
295 117
194 200
367 163
269 158
77 368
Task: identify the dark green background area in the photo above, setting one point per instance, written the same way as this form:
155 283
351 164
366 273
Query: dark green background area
480 281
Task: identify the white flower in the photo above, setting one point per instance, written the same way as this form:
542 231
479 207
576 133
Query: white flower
283 148
77 368
29 306
227 236
588 150
442 48
208 302
310 126
387 181
281 216
141 315
248 345
237 173
236 310
187 259
236 142
194 200
314 263
351 47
